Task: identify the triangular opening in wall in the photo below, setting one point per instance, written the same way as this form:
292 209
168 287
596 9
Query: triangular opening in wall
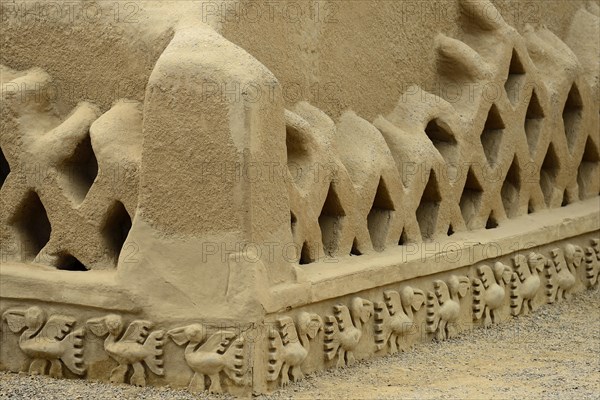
450 230
67 262
330 221
32 225
530 208
427 212
572 116
515 79
403 238
565 200
548 173
533 122
511 188
116 229
588 173
305 255
4 168
78 172
491 136
293 222
354 251
470 200
380 216
491 222
443 140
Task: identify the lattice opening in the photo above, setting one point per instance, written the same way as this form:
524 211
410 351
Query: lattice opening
515 79
330 221
510 189
491 222
548 173
427 212
116 229
305 255
572 116
403 238
588 172
491 137
530 208
443 140
33 226
68 262
79 171
293 222
565 199
4 168
380 216
533 122
355 251
450 230
470 200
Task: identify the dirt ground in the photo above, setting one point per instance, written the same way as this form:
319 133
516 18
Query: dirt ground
552 354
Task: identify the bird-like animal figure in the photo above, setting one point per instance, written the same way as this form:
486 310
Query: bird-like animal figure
49 341
394 318
288 347
343 330
489 292
134 348
592 263
561 272
525 282
443 306
221 352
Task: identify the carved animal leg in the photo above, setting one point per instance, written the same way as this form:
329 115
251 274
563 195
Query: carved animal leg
285 377
38 367
297 373
350 360
117 375
138 378
56 369
559 294
450 330
487 321
567 295
341 361
215 384
526 307
393 344
441 332
196 383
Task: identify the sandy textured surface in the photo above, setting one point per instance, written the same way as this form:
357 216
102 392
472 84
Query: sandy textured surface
552 354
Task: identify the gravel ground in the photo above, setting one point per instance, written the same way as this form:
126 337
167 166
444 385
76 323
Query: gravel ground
552 354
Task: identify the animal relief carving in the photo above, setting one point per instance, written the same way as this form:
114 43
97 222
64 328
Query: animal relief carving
561 272
489 292
525 282
221 352
344 329
592 263
289 347
53 341
134 348
443 306
394 318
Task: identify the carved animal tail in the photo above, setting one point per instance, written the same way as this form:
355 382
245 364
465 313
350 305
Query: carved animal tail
382 331
478 302
516 300
332 337
234 360
72 355
275 349
433 316
153 347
